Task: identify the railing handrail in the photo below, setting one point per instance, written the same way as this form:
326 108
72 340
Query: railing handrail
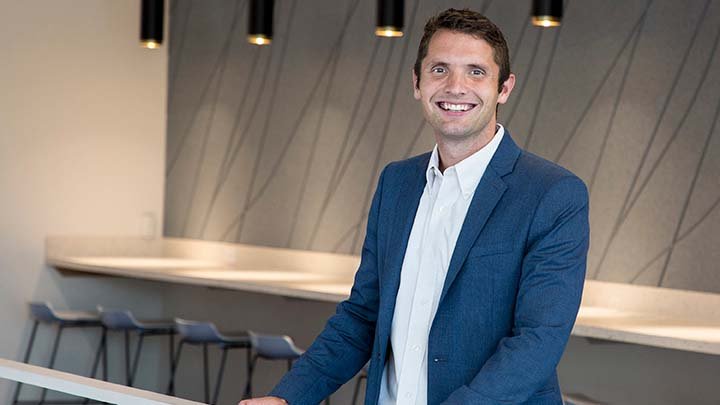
84 387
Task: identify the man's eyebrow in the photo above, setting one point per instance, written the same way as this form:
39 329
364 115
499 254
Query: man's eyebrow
436 63
476 66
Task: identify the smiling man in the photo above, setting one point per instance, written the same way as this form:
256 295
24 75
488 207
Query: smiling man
474 258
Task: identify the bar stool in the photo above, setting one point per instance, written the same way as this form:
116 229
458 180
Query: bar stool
272 347
43 312
122 320
206 333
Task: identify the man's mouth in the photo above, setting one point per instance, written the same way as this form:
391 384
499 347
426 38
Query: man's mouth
455 107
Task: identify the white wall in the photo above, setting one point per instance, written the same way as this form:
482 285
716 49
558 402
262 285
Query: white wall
82 145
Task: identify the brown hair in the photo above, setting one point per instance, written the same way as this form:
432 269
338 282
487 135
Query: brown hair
472 23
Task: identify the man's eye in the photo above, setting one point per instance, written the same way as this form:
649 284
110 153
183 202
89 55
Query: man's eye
477 72
438 69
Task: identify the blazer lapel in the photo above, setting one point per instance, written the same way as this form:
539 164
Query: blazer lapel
487 194
405 210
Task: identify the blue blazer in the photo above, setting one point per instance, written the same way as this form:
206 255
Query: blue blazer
509 301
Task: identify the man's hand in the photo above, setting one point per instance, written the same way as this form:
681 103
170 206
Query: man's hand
264 401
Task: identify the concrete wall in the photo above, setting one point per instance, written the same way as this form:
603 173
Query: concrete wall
282 145
82 141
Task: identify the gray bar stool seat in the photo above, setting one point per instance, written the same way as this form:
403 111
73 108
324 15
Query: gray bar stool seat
43 312
122 320
204 334
272 347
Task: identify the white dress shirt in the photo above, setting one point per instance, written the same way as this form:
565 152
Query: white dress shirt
438 220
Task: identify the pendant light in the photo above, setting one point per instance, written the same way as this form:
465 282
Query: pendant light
152 14
260 24
547 13
390 18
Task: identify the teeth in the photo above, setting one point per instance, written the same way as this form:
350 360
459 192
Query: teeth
455 107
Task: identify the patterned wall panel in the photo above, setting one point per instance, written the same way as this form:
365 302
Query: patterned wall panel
282 145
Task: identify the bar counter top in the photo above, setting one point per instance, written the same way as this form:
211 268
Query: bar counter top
660 317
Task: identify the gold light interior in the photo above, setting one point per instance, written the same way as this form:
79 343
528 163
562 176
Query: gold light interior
545 21
150 44
259 39
390 32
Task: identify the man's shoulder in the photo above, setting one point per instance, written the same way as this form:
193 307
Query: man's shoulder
410 166
543 174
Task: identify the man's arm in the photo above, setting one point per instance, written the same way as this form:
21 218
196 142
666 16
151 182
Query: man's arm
344 346
553 273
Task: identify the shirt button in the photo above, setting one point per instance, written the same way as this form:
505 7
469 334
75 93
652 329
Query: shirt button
408 395
416 348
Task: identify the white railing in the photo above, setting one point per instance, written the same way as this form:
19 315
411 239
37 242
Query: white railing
84 387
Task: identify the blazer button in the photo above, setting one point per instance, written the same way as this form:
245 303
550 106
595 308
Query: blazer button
436 360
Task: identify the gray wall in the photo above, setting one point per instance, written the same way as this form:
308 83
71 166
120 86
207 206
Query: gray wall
82 141
282 145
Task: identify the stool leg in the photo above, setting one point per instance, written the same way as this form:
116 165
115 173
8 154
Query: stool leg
175 362
205 373
105 355
219 378
98 353
26 358
251 367
171 357
127 357
357 389
138 348
52 360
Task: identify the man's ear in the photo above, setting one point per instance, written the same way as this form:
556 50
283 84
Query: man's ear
506 89
416 85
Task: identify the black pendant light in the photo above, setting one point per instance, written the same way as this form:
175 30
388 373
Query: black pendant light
390 15
260 24
547 13
152 14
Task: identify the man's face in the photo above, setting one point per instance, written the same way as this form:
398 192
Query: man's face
458 88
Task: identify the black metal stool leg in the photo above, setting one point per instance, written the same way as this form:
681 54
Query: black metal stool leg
127 357
175 362
206 375
96 362
98 353
219 378
357 389
136 360
251 367
105 355
26 358
171 357
52 360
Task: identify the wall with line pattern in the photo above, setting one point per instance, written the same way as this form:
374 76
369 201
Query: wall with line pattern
282 145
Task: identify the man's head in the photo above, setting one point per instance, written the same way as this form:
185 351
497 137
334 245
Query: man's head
467 22
461 75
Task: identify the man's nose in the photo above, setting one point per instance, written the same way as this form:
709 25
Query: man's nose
456 84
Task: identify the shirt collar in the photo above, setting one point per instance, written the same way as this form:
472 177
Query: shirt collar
471 169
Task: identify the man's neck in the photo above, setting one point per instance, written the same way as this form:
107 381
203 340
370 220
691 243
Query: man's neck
452 152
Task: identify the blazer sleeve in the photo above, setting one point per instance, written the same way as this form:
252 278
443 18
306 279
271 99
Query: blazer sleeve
345 344
548 299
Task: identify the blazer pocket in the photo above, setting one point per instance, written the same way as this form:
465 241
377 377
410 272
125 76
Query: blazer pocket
492 249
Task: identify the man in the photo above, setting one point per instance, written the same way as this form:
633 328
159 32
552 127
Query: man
474 258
